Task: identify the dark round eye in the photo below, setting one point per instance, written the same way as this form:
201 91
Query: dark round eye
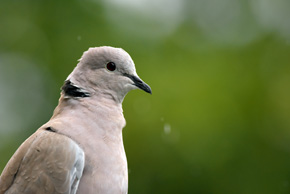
111 66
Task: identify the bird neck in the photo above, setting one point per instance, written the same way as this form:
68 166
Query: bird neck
74 90
87 105
98 117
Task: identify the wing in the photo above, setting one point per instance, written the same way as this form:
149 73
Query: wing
47 163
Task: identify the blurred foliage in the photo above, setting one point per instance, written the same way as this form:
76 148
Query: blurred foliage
218 120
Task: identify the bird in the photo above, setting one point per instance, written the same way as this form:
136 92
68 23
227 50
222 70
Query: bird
80 149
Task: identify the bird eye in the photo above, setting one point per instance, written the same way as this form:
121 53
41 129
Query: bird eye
111 66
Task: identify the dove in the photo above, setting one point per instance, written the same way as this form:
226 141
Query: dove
80 149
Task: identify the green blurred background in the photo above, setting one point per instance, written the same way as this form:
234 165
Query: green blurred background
218 121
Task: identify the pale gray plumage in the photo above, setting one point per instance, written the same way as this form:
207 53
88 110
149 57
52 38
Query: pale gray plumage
80 149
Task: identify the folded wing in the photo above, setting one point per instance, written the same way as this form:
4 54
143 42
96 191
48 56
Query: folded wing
47 162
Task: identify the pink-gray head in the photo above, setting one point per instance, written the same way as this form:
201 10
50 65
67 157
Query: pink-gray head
105 70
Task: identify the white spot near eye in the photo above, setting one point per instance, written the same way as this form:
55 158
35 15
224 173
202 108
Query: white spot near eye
167 128
170 134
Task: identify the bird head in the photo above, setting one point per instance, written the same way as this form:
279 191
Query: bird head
106 71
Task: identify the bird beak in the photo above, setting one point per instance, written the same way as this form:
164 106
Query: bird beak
139 83
142 85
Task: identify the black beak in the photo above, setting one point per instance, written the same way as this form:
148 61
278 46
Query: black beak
139 83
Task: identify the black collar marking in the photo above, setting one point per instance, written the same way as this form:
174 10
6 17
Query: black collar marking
50 129
71 90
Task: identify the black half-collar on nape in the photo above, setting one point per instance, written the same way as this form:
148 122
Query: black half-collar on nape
72 90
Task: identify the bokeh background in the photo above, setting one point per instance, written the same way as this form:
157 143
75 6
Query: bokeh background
218 121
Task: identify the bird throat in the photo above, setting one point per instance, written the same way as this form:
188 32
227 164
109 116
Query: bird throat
71 90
